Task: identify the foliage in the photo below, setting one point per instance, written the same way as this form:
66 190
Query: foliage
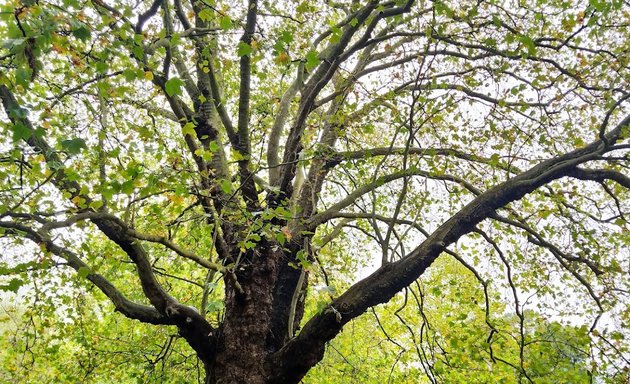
42 345
390 344
225 172
445 337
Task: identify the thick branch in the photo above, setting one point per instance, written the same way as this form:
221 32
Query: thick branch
273 148
247 182
383 284
600 175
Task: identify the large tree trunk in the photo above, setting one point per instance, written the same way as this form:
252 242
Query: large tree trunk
256 319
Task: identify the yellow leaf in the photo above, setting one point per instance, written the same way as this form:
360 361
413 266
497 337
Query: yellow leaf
77 200
287 234
283 58
148 75
580 17
175 199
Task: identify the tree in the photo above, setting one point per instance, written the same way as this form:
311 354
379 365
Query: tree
197 193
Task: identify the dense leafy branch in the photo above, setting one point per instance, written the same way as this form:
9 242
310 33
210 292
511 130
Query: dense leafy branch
114 229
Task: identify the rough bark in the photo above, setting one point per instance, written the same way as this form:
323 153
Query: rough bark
242 339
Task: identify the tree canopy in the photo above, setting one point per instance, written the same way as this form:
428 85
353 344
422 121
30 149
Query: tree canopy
260 175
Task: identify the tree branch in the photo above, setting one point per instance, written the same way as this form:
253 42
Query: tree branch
600 175
338 157
324 72
331 212
112 228
247 182
123 305
143 18
273 148
383 284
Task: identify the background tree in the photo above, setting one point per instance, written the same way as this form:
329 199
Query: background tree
213 153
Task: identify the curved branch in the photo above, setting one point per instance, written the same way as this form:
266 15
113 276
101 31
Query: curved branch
383 284
517 307
113 228
331 212
324 72
130 309
600 175
48 225
338 157
536 239
143 18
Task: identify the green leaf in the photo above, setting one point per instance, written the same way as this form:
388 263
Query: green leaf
238 156
312 60
13 44
17 112
225 23
529 43
13 286
226 186
83 272
212 285
101 67
282 212
214 146
244 49
280 238
206 155
73 146
286 37
174 86
215 306
20 132
23 76
205 14
254 237
598 5
127 187
189 129
138 52
336 34
303 7
129 74
82 33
